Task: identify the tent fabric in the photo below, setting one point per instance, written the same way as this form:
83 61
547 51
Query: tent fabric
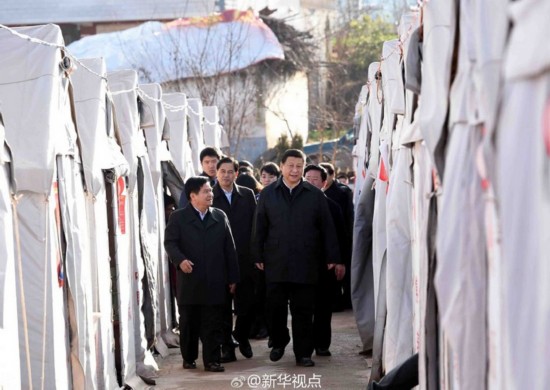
10 369
178 144
130 266
360 149
439 35
523 161
33 163
33 91
156 148
362 288
196 133
100 154
212 128
142 220
461 274
138 48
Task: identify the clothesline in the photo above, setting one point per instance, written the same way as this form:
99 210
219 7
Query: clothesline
68 54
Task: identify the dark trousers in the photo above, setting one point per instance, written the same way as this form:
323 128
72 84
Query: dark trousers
244 304
204 322
302 302
244 307
324 299
227 323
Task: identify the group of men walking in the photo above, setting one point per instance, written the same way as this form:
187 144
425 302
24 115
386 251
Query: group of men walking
225 237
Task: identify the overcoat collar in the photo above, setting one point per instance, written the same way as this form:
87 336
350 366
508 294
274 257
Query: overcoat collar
218 190
302 186
190 216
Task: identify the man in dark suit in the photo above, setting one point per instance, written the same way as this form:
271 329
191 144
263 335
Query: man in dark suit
239 204
327 286
342 194
198 241
209 159
294 236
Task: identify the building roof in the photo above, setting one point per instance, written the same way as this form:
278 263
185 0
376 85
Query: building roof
20 12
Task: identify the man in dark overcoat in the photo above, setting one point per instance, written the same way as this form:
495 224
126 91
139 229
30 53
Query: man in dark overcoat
343 196
294 235
199 242
326 288
239 204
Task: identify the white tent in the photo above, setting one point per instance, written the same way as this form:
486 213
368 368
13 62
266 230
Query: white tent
36 109
523 189
131 265
156 133
360 151
178 142
196 133
10 373
212 129
101 156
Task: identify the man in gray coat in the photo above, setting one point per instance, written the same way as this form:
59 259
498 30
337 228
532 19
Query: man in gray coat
199 242
293 237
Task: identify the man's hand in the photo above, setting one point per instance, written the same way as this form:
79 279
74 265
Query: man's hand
340 271
260 266
331 266
186 266
232 288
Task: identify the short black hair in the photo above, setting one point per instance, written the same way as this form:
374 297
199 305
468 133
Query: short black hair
194 184
209 151
271 168
329 167
249 182
293 153
226 160
245 163
342 175
244 170
318 168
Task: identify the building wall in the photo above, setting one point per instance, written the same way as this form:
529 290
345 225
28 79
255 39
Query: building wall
287 111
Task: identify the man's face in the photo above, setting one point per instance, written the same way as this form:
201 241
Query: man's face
314 177
204 198
209 165
267 179
292 170
226 176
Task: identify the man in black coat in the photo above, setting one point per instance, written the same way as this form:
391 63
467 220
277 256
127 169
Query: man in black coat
239 204
294 236
327 286
199 242
209 157
343 196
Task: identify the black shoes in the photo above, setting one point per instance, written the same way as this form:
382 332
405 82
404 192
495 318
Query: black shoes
322 352
305 362
228 355
245 348
189 365
214 367
276 354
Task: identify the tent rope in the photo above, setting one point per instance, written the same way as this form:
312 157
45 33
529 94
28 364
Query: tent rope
45 299
14 202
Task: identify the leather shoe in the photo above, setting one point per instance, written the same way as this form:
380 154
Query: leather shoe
234 342
189 365
276 354
245 348
214 367
305 362
228 356
322 352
